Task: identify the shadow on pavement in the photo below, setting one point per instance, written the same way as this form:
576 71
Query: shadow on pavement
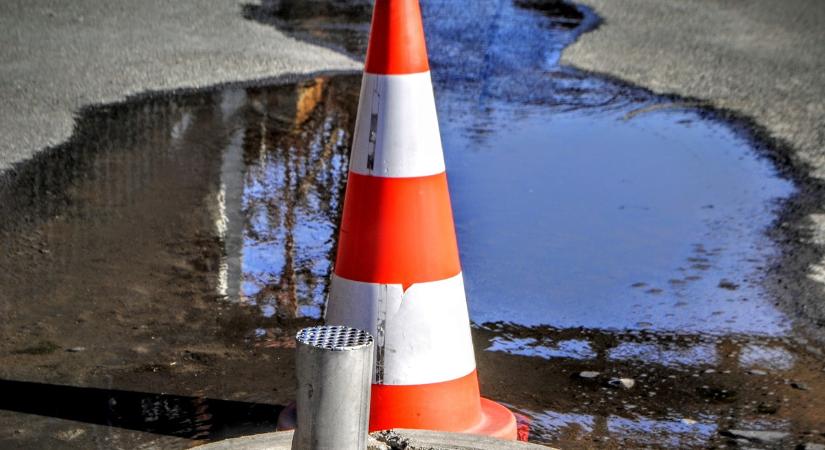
167 414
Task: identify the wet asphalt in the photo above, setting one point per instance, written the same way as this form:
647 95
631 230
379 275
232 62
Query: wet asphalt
275 158
183 239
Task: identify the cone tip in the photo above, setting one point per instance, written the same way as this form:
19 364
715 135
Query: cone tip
397 45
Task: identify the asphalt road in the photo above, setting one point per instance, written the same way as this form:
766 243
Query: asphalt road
762 58
57 57
763 61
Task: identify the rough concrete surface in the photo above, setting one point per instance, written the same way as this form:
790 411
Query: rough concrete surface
763 60
385 440
56 57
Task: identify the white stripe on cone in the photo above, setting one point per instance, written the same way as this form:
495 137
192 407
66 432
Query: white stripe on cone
422 335
396 131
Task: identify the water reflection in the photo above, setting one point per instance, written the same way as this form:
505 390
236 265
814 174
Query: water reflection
638 431
766 357
666 354
266 167
677 351
579 200
585 202
606 229
201 224
570 348
672 433
281 186
680 391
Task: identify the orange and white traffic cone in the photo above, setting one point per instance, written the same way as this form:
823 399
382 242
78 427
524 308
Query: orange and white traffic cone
397 272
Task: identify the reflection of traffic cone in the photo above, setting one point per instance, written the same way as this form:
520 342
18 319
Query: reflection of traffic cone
397 273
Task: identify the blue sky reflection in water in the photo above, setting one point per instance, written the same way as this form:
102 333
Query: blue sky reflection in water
656 222
582 202
578 201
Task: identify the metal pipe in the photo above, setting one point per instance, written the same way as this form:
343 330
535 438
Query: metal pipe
334 369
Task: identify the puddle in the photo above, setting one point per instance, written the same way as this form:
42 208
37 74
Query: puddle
592 214
171 247
680 390
652 217
176 243
674 433
570 348
629 225
666 355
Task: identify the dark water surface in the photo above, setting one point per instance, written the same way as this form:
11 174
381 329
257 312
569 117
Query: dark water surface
160 262
155 269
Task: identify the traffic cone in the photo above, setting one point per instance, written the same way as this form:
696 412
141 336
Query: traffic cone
397 272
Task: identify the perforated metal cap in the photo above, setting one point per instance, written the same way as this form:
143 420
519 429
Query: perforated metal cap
336 338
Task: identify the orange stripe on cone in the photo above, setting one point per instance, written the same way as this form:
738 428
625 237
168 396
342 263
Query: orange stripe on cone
453 406
397 230
449 406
